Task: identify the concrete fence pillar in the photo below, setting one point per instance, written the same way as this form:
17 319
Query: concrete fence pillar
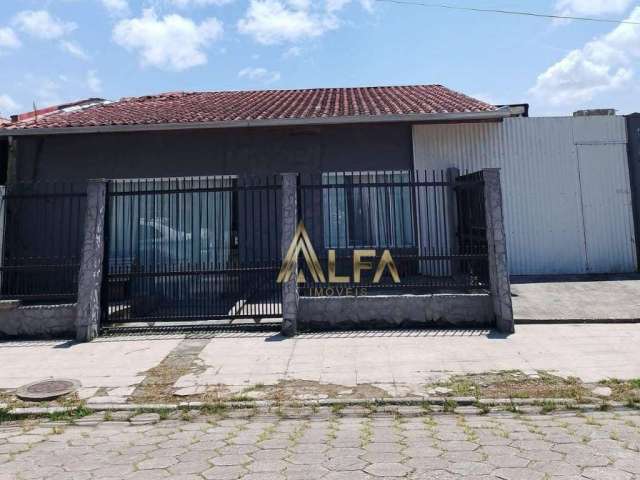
497 249
290 295
91 263
3 216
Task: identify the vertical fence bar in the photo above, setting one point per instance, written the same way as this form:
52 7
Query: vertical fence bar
452 218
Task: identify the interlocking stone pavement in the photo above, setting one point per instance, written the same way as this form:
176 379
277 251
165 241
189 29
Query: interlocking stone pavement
507 446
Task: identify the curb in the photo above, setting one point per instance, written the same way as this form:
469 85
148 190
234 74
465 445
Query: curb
576 321
466 405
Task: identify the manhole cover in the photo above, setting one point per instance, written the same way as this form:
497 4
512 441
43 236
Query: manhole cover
47 389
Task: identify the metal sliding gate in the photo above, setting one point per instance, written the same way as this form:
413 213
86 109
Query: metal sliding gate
193 249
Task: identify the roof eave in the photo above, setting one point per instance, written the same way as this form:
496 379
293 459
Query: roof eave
277 122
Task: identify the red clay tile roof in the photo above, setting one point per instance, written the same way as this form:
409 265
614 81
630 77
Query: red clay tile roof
238 106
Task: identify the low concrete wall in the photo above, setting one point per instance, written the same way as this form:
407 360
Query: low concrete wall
40 321
390 311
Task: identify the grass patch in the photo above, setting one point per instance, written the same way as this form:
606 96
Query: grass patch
217 408
337 408
74 414
549 406
512 407
449 405
623 390
5 416
514 384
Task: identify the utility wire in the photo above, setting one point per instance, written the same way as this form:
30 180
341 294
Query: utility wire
507 12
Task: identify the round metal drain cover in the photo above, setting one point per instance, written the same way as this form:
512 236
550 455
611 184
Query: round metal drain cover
47 389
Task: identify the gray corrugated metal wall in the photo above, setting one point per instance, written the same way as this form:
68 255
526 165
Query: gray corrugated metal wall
565 185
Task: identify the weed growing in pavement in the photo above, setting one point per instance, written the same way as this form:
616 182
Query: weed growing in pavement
366 433
5 416
266 433
296 434
217 408
592 421
449 405
429 422
549 406
512 407
336 408
632 403
74 414
108 416
483 407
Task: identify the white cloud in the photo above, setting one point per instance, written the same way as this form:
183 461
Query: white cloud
40 24
8 39
172 42
337 5
294 51
74 49
278 21
591 7
272 21
198 3
93 81
118 8
603 64
259 74
8 105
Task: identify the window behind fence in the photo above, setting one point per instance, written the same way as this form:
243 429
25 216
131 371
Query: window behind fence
367 209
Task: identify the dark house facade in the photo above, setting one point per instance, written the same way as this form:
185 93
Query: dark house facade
256 151
215 133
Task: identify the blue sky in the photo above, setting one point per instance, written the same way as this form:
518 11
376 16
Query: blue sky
53 51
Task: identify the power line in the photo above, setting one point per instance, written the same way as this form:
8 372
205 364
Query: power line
507 12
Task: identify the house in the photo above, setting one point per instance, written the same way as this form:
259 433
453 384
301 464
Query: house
566 180
212 133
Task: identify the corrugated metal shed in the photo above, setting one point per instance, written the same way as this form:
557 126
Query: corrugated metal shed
565 186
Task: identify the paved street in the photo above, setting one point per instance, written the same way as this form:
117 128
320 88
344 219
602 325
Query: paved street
560 446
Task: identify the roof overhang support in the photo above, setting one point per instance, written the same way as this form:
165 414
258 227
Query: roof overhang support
495 115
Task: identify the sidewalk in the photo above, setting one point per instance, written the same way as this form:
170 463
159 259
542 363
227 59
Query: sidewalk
394 363
583 298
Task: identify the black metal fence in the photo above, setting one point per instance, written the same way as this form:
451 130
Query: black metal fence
193 249
41 248
426 221
472 227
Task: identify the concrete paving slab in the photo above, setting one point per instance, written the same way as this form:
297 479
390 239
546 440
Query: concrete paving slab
590 352
576 298
397 362
102 363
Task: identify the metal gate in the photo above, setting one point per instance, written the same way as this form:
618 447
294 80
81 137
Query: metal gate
193 249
